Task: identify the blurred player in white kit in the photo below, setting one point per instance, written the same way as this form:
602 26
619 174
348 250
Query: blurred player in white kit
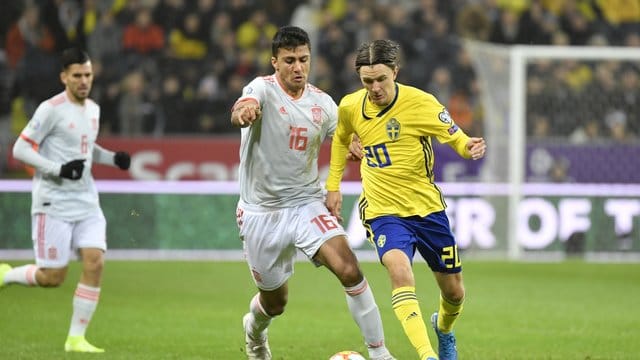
59 142
281 209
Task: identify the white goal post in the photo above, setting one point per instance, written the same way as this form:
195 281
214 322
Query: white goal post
502 76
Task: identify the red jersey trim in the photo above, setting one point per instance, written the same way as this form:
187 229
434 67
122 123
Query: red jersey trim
30 141
243 100
57 100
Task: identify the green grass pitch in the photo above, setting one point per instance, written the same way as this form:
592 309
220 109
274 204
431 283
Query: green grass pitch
193 310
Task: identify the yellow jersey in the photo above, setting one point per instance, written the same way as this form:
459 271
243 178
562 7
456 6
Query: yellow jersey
397 170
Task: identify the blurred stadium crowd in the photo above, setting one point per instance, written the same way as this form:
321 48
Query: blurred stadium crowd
176 66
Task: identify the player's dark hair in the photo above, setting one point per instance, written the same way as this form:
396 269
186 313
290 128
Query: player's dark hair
289 37
73 56
385 52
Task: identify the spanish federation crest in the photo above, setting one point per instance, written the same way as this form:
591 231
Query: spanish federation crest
316 115
393 129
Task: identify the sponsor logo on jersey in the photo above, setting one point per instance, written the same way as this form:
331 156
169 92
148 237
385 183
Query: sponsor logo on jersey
34 124
283 111
393 129
94 123
452 130
445 117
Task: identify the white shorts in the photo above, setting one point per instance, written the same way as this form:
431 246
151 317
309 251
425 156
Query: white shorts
55 239
271 236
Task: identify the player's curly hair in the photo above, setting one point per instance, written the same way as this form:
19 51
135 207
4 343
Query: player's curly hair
386 52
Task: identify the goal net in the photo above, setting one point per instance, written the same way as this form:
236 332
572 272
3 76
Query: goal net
562 126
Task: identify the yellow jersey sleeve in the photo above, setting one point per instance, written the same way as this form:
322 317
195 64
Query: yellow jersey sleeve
340 142
441 125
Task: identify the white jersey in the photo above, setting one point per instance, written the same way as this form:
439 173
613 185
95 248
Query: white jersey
63 131
279 152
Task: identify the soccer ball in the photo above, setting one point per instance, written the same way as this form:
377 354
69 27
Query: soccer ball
347 355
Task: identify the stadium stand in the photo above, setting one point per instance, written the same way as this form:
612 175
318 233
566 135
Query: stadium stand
174 66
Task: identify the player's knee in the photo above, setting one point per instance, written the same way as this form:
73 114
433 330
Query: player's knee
93 264
52 278
274 302
350 274
454 294
276 308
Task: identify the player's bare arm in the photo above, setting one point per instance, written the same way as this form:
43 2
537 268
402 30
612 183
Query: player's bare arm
333 202
245 113
476 147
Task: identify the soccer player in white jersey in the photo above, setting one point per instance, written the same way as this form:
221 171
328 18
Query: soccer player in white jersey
284 120
59 142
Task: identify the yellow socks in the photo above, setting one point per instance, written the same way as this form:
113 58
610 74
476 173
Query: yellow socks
448 314
407 310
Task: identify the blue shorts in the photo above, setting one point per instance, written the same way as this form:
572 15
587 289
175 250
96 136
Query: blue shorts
431 235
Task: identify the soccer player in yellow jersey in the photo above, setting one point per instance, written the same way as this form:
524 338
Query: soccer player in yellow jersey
401 206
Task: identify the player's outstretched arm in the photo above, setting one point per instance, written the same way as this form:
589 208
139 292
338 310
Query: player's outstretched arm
245 113
476 147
